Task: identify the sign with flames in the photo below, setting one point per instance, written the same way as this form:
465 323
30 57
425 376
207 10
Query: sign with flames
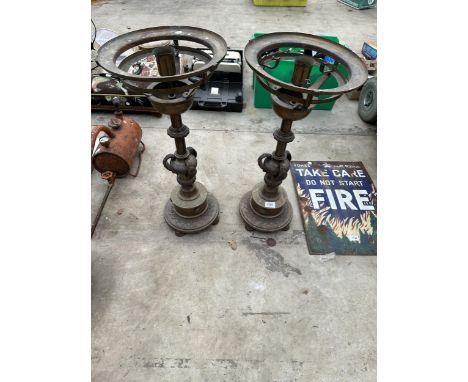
338 202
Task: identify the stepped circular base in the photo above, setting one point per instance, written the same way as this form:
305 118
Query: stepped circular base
262 223
192 224
190 206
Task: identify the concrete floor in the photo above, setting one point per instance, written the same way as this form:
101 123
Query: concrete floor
194 309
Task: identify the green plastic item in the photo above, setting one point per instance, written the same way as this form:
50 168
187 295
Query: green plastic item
283 72
360 4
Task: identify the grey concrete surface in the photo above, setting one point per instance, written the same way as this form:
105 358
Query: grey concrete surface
194 309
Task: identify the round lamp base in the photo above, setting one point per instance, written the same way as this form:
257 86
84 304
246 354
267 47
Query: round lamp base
257 222
182 225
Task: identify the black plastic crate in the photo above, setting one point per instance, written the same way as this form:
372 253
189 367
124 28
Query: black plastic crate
223 92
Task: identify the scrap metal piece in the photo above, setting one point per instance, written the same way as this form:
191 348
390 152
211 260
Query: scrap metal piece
110 177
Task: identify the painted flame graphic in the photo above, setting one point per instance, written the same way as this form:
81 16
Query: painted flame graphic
349 227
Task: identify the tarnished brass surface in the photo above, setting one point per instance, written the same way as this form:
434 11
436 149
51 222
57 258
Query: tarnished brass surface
266 207
191 208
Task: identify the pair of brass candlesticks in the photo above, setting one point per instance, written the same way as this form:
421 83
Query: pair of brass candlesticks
266 208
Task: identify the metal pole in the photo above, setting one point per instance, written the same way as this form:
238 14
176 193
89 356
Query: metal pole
101 207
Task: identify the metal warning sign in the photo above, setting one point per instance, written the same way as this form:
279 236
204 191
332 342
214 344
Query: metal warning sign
338 203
